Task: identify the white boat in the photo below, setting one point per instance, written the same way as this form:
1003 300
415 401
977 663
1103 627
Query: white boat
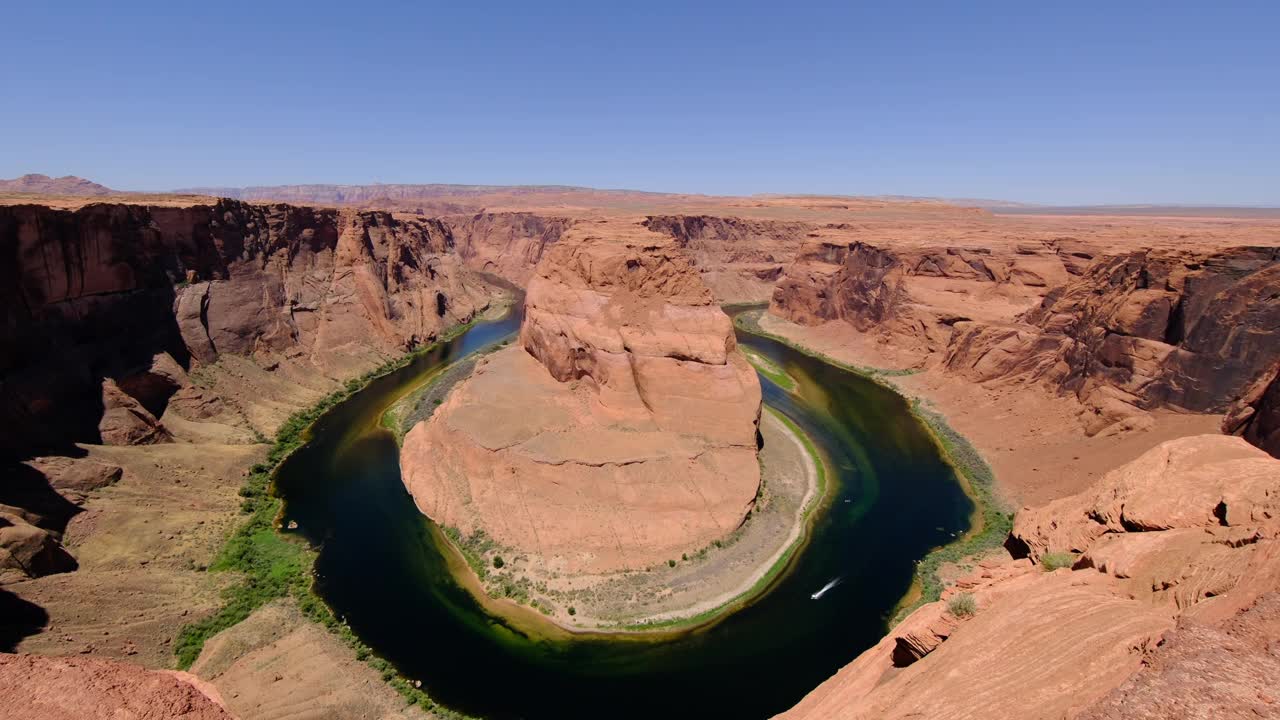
824 589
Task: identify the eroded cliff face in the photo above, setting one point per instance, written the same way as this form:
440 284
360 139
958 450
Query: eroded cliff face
1256 415
909 298
1123 334
508 245
107 310
92 297
1139 331
1176 570
739 258
620 432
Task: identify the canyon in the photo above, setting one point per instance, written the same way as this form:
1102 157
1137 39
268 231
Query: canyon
151 345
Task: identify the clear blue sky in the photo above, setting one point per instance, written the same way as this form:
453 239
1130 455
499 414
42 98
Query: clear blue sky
1073 102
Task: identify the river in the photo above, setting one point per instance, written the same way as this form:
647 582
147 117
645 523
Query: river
891 500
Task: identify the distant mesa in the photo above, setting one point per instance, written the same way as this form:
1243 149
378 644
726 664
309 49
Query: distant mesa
37 184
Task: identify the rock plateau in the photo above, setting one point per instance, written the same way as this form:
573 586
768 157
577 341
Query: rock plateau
619 433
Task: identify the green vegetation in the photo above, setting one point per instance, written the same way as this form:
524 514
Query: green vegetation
962 605
1055 560
497 562
272 565
770 369
993 519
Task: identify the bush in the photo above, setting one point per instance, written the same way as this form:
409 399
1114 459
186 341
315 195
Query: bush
572 611
962 605
498 562
671 563
1054 560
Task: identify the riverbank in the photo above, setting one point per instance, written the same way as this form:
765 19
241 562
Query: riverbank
1033 440
271 566
1011 446
692 591
991 519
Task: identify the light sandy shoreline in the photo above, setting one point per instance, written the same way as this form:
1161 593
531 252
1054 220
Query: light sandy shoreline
696 608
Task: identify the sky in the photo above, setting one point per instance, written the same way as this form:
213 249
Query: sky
1064 103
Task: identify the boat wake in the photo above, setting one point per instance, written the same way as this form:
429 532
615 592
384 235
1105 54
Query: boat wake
825 588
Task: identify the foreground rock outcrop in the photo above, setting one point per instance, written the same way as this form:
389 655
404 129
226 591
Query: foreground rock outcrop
621 432
1176 575
68 688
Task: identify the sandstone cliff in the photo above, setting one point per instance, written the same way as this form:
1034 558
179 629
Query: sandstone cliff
107 308
619 434
1255 416
1140 330
739 258
1176 572
909 298
92 297
1123 334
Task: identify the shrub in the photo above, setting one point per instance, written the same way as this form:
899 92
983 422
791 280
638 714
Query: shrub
962 605
497 561
1054 560
572 611
671 563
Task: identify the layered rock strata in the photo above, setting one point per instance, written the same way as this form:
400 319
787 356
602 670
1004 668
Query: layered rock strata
619 433
1176 570
1124 334
90 297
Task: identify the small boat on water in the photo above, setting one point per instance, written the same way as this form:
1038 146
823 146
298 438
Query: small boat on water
825 588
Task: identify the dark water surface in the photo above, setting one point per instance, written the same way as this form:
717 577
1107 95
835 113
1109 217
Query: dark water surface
894 499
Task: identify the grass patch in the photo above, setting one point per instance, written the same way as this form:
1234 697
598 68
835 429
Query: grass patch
1056 560
962 605
770 369
272 565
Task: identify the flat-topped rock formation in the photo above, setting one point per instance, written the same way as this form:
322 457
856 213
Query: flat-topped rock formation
620 432
1168 612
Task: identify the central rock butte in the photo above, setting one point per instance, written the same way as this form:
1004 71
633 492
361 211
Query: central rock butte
620 433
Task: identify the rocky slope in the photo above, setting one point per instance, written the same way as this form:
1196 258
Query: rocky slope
1138 331
107 310
620 433
909 298
1176 577
739 258
1255 416
1122 333
47 688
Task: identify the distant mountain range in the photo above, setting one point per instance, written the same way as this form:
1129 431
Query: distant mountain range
37 184
437 197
